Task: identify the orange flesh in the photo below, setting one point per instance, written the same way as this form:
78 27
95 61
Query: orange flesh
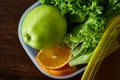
54 58
55 61
61 72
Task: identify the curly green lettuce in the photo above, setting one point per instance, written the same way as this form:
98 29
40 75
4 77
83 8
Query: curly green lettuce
86 21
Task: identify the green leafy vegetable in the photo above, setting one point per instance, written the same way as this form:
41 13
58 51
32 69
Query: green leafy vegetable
86 21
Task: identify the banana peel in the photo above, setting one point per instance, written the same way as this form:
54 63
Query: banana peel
109 42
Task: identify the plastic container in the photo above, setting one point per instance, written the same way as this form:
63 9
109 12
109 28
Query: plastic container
33 52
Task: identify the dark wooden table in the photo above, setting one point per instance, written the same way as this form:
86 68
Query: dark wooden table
14 62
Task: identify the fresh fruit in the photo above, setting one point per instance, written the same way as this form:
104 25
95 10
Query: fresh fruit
61 72
44 27
54 58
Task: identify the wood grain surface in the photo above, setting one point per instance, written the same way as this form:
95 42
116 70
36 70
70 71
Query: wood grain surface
14 62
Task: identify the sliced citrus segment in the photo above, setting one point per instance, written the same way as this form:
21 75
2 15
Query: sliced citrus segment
54 58
61 72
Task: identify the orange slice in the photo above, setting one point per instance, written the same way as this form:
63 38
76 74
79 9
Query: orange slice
54 58
61 72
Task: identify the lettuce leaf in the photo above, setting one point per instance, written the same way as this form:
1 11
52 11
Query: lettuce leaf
86 24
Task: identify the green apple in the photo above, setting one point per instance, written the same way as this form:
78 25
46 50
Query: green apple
44 27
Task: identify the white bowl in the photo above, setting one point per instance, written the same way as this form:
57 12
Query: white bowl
33 52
